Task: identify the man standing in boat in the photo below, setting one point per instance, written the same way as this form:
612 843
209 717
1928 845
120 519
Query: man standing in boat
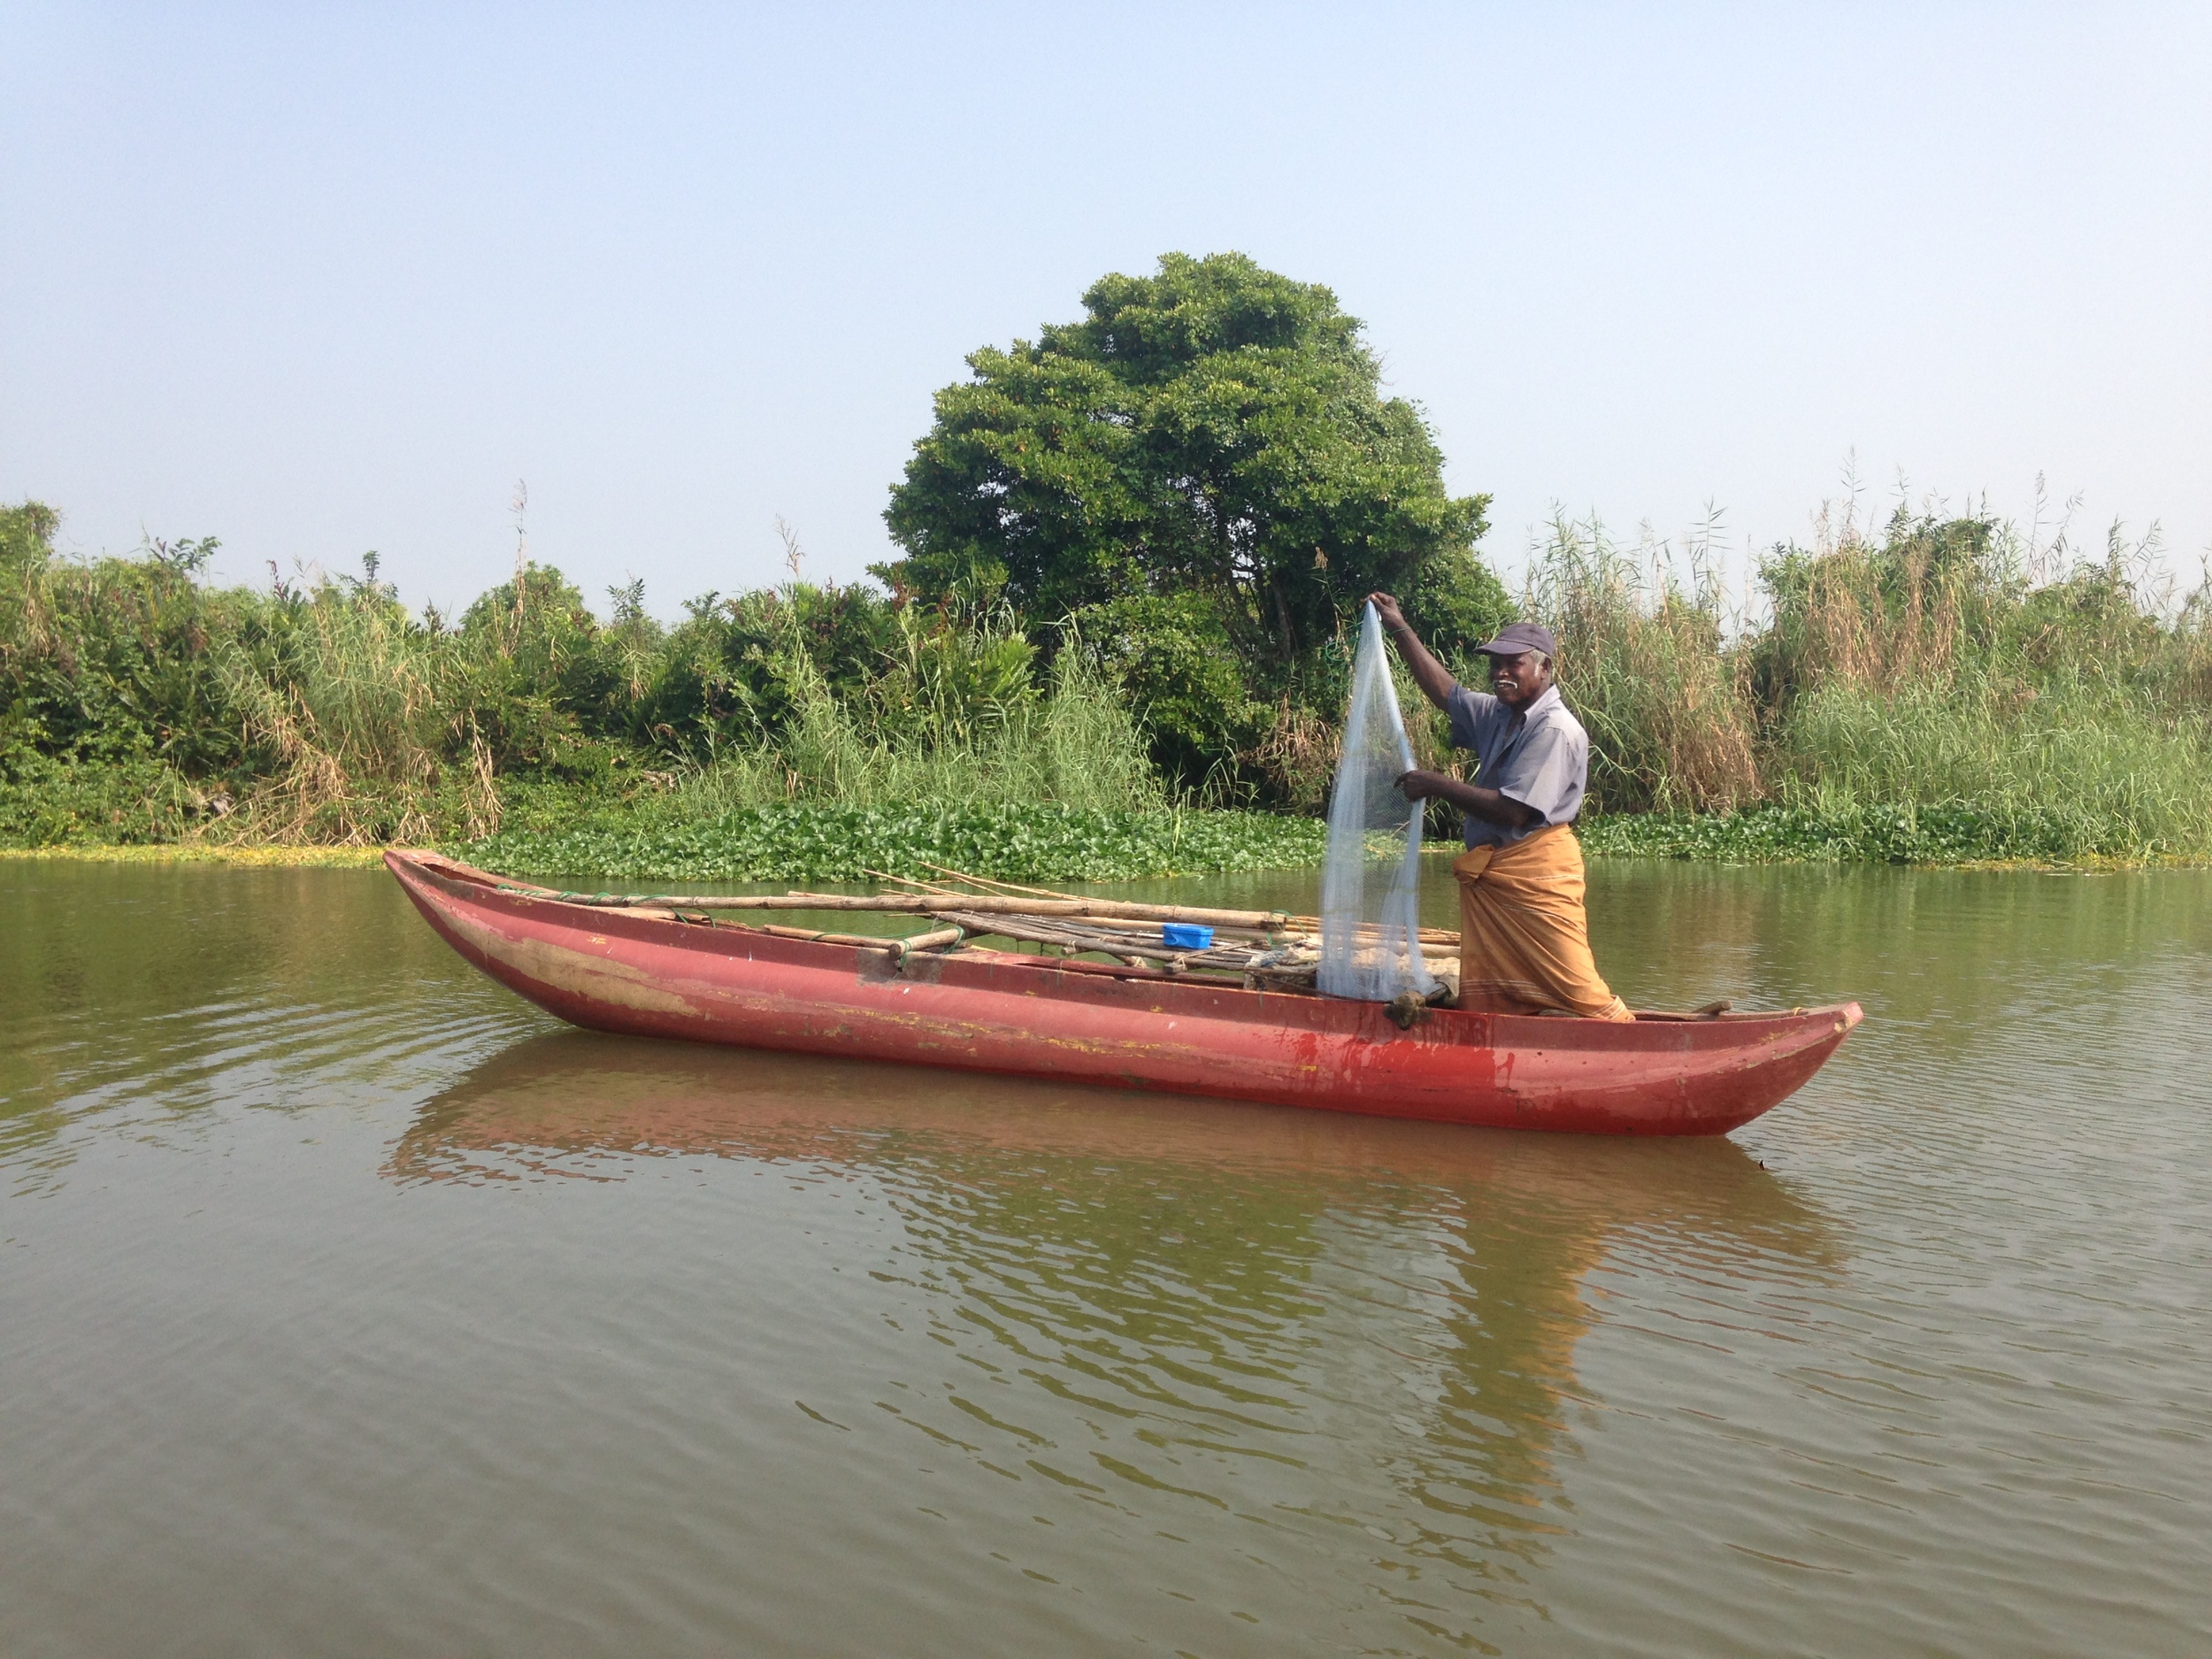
1525 937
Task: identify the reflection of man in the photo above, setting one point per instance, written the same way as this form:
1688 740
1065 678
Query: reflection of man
1525 938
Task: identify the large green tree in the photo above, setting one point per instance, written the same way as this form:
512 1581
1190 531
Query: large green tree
1214 431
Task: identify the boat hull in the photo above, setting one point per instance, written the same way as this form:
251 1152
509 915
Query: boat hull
646 975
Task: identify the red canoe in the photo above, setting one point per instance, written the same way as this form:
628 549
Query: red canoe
1045 1017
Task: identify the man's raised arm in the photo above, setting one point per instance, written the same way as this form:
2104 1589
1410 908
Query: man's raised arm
1435 680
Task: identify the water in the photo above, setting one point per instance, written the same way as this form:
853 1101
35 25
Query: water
349 1305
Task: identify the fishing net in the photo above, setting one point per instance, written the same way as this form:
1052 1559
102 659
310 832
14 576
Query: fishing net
1371 886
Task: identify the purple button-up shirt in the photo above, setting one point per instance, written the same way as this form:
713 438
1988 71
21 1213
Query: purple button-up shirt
1539 755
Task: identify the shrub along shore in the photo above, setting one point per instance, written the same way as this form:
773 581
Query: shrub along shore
1116 643
1915 696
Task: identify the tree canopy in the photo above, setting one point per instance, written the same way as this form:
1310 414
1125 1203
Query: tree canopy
1214 432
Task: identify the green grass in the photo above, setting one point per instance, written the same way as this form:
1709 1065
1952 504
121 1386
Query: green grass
1938 693
2053 836
2057 772
805 843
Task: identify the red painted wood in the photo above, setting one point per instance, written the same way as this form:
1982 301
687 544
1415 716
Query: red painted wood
1033 1017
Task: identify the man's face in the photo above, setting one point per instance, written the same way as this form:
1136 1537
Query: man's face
1518 681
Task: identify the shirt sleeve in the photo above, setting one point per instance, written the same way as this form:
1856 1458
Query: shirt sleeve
1550 772
1468 711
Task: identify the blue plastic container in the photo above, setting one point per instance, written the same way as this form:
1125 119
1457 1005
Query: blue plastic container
1186 936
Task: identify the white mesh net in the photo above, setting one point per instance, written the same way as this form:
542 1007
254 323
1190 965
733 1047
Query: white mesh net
1370 885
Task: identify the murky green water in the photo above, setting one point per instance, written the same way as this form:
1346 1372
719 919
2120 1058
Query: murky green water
349 1306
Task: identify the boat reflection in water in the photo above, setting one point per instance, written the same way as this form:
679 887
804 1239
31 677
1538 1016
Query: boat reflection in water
1350 1341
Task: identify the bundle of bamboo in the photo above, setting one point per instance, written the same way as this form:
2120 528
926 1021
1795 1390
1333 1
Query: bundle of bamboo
1264 949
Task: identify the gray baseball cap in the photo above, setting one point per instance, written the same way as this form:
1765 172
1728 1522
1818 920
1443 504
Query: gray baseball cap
1517 637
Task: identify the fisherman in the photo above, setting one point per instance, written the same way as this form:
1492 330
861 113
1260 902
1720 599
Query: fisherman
1524 938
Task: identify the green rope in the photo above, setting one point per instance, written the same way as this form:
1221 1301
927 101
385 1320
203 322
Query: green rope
592 898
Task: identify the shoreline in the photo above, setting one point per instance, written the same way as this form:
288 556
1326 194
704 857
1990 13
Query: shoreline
302 856
309 855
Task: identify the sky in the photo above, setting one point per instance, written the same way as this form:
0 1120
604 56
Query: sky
320 279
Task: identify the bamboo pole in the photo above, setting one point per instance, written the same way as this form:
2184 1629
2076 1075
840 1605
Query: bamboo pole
1269 925
904 881
1311 925
931 940
915 904
1120 924
989 885
1076 937
902 944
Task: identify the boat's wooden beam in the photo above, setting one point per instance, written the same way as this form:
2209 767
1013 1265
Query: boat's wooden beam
910 904
900 944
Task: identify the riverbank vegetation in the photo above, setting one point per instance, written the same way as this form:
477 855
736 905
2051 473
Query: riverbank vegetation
1114 643
799 732
1940 689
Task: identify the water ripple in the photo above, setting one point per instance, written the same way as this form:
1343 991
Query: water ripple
336 1278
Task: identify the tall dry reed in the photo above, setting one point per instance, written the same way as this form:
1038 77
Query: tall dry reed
1643 663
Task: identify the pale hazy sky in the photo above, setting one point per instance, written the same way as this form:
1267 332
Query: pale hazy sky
316 279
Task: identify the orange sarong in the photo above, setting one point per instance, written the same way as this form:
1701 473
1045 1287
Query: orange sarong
1524 938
